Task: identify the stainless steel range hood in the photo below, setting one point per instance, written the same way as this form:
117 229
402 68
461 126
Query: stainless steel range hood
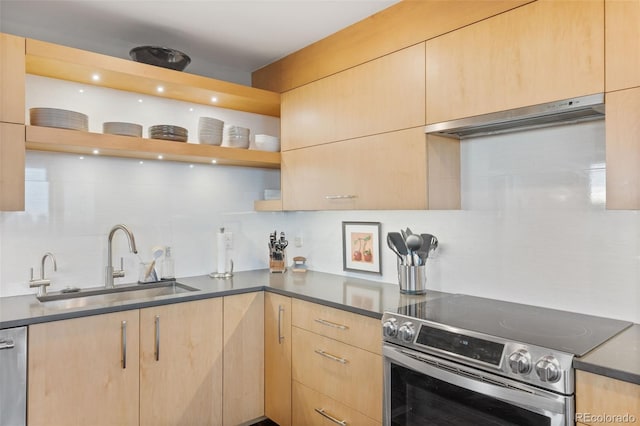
584 108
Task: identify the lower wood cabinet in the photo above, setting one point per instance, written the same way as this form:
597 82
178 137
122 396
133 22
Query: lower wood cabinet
603 400
277 359
84 371
243 377
181 364
155 366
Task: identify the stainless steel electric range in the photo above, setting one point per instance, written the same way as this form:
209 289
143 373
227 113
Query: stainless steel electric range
464 360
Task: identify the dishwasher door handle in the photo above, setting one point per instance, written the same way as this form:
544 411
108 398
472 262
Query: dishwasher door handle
7 344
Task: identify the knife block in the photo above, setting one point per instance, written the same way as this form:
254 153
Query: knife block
278 266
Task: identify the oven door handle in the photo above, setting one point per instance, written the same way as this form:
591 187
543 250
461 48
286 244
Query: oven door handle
527 397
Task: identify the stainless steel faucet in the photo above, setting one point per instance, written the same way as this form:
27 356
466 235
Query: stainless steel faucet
110 273
43 283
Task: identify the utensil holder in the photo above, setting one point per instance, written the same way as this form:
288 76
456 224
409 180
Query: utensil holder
412 279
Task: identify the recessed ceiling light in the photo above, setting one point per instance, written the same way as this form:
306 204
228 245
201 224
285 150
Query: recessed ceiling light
190 109
96 152
141 162
81 158
95 77
160 157
214 99
160 89
81 90
191 166
140 100
213 161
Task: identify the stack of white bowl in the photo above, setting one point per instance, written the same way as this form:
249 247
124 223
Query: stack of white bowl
267 143
61 118
122 129
210 130
236 137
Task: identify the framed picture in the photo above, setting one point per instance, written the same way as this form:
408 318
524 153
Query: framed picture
361 247
361 296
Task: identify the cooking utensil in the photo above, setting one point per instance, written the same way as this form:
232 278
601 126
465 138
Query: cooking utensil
414 242
399 244
393 247
429 243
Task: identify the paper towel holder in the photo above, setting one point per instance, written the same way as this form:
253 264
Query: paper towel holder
223 275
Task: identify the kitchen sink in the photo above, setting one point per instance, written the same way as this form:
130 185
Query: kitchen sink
68 299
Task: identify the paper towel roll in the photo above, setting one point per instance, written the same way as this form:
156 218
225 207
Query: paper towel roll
222 252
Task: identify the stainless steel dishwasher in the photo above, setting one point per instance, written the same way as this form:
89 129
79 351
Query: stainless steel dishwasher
13 376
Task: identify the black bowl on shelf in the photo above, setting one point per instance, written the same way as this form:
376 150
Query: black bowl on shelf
160 57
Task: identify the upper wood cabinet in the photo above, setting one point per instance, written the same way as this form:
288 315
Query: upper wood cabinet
622 43
12 79
623 149
543 51
181 363
84 371
379 96
12 171
390 171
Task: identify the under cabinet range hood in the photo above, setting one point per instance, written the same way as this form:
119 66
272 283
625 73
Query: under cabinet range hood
575 110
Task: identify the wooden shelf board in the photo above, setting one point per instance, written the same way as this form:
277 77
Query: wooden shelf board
267 205
66 63
78 142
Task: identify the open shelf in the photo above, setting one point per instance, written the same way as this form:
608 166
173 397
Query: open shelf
78 142
66 63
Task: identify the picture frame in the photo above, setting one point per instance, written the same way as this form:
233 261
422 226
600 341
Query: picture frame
361 296
361 247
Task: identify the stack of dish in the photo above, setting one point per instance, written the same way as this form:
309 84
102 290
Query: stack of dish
236 137
122 129
267 143
168 133
61 118
210 130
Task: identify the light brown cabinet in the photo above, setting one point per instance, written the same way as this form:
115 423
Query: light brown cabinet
277 358
12 79
622 44
181 363
155 366
623 149
599 396
12 166
336 366
84 371
543 51
397 170
243 377
379 96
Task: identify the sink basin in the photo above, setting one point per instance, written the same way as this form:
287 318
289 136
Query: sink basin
102 295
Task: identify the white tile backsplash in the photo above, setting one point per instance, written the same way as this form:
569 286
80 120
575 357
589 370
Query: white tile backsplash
533 227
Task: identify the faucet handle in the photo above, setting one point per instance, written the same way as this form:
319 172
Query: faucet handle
119 273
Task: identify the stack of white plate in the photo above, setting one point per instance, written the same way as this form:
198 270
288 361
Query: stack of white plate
61 118
168 133
122 129
210 130
236 137
267 143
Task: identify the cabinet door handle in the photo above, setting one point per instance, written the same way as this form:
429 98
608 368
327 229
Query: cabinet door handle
332 357
330 417
7 344
331 324
157 350
340 197
123 328
280 336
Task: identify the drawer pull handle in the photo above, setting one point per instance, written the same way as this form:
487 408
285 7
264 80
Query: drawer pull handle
157 351
7 344
280 312
332 357
331 324
330 417
339 197
124 344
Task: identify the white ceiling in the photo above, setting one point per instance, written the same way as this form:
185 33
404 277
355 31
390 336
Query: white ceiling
226 39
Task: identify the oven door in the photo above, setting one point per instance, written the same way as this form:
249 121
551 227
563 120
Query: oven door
420 389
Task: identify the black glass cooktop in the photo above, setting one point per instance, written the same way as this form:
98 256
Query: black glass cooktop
551 328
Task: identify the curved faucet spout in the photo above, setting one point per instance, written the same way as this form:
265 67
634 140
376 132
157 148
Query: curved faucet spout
55 265
110 273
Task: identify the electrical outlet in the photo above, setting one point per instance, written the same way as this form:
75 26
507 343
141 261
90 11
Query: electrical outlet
228 240
298 241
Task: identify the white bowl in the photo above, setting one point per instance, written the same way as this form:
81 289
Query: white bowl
267 143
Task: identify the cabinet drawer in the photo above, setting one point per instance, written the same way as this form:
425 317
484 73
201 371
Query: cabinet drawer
354 329
346 373
598 395
312 408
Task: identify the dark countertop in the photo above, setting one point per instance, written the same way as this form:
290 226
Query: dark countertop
618 358
352 294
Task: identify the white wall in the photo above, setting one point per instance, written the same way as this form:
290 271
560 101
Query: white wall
533 227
